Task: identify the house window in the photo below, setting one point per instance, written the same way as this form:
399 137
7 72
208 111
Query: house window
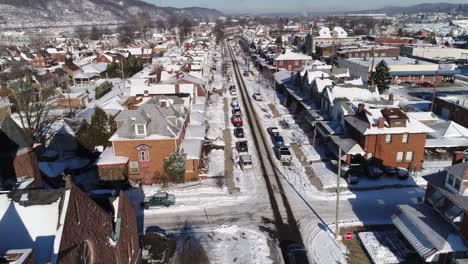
404 138
399 156
450 179
134 167
457 184
409 156
384 54
140 130
143 155
388 138
297 63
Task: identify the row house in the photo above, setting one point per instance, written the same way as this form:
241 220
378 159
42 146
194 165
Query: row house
368 52
145 137
438 228
291 61
66 226
389 135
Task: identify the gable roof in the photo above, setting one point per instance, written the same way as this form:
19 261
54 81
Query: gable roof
12 134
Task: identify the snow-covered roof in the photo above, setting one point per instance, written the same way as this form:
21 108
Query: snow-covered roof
192 147
423 116
311 75
324 32
322 83
195 132
289 55
352 93
107 158
30 220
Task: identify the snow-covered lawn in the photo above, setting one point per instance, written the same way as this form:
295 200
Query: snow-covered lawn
216 163
384 247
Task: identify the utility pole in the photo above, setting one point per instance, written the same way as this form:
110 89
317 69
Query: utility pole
434 90
338 176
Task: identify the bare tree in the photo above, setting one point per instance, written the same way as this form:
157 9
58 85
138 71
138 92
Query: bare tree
185 28
172 22
144 23
96 33
35 109
161 25
81 33
126 33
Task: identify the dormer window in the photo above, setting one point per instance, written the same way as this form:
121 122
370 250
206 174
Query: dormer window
453 183
140 130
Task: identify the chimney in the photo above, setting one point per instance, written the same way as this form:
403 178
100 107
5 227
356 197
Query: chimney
177 89
391 99
458 157
381 122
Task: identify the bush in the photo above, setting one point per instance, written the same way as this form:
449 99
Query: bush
102 89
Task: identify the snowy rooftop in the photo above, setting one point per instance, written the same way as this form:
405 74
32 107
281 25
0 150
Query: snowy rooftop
107 158
390 61
29 219
192 147
289 55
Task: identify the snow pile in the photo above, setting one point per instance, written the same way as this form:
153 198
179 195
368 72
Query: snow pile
383 247
326 176
216 163
310 154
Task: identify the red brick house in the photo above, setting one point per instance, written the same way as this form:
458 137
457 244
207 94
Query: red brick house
438 229
291 61
66 226
145 137
17 157
390 136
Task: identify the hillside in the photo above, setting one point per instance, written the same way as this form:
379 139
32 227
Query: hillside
53 13
420 8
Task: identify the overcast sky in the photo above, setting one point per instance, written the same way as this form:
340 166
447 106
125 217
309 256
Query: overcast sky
255 6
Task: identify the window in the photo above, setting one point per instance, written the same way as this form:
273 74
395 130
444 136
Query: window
404 138
388 138
134 167
384 54
450 179
399 156
409 156
143 155
457 184
140 130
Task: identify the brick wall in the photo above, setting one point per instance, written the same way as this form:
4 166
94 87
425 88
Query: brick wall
455 112
25 165
159 150
128 243
290 65
387 152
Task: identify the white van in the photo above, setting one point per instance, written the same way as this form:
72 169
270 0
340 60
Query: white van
245 162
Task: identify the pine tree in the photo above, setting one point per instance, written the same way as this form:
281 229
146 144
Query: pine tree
98 131
174 167
381 77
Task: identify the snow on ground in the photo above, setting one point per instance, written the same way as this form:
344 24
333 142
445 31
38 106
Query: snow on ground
326 176
216 163
230 244
384 247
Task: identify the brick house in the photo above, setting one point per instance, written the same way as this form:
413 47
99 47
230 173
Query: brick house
66 226
438 229
389 136
145 137
18 158
368 52
291 61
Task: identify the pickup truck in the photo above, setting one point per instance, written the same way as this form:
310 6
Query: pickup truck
283 154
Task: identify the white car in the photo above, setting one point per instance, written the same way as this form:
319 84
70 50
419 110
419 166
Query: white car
234 103
257 97
233 93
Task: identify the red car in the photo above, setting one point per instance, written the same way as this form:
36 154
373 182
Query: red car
237 121
426 84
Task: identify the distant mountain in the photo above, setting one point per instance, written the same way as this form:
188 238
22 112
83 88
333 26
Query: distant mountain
420 8
43 13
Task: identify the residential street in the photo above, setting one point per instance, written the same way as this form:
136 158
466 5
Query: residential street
312 210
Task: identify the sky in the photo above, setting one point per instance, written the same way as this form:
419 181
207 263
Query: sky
261 6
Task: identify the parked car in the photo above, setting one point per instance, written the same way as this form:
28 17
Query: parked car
425 84
246 74
352 176
402 173
233 93
373 171
242 146
257 97
390 172
283 154
407 84
293 253
237 121
245 161
278 141
232 87
238 132
159 199
273 131
234 103
236 112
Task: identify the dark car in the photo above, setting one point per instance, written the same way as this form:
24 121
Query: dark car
390 172
238 132
242 146
408 84
278 141
294 253
273 131
373 171
402 174
351 177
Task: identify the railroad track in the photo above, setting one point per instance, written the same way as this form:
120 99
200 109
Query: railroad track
285 230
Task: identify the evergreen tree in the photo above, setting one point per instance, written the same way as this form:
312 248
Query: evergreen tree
381 77
95 34
174 167
279 42
98 131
